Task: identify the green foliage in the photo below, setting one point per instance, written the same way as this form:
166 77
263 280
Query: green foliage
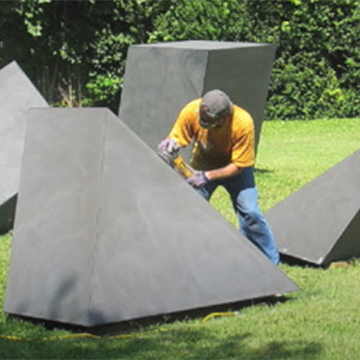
31 12
304 89
75 51
130 22
316 72
207 20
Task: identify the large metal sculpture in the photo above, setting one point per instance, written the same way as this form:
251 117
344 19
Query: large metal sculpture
161 78
320 223
17 95
106 232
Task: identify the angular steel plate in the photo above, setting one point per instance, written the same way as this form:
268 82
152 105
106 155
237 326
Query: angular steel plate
320 223
106 232
17 95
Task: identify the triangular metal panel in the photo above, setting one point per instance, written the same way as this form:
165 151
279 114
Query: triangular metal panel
348 245
118 235
17 96
310 222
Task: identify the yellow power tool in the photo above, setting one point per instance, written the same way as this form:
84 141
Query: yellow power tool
176 161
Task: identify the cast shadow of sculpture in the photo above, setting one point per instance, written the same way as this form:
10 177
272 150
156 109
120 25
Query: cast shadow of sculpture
237 346
136 324
7 215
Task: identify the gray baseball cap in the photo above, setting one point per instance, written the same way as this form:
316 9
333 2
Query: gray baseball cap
216 104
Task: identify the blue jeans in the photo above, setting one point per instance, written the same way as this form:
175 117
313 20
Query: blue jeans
244 197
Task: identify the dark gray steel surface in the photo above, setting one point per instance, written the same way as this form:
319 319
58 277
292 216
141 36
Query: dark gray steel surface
161 78
17 95
106 232
320 223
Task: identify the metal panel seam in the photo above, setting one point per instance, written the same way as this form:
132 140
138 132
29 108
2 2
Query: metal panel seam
97 215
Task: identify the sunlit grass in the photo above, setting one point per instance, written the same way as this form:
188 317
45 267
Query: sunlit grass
291 154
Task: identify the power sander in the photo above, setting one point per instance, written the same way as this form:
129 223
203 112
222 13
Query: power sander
176 161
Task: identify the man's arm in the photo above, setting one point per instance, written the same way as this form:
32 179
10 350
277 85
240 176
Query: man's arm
200 178
222 173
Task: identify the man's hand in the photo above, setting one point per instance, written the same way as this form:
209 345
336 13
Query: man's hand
169 145
197 179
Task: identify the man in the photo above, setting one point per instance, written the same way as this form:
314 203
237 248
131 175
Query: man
224 154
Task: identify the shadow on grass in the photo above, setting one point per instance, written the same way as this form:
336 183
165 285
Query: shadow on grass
290 260
190 343
293 261
148 341
263 171
142 324
239 347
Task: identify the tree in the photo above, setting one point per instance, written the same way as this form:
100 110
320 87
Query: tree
75 51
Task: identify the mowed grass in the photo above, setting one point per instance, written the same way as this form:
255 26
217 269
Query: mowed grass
321 321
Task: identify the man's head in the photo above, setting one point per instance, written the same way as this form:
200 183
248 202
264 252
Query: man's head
215 106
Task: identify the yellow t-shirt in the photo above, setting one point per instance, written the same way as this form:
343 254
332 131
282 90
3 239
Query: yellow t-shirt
233 142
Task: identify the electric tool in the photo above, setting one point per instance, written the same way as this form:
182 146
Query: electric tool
176 161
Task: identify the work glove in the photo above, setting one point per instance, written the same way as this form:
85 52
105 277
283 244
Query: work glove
169 145
197 179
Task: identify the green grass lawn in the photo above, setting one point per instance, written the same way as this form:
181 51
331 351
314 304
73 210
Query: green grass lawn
321 321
